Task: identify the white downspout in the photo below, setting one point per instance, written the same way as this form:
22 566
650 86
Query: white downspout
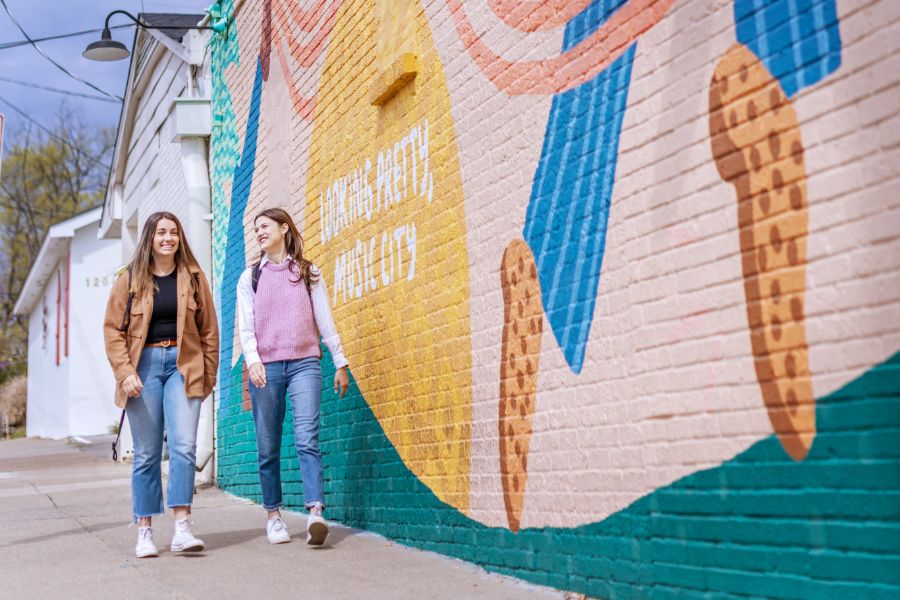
192 127
199 222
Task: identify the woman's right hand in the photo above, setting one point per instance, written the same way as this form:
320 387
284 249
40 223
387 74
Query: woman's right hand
258 374
132 386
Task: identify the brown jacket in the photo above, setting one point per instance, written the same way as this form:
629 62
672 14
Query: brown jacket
197 331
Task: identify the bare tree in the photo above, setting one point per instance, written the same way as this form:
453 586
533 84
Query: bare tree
47 177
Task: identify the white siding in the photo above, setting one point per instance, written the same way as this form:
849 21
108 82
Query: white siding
91 383
74 397
47 414
154 179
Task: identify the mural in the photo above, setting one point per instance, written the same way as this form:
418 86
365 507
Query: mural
757 146
385 217
566 224
472 175
750 122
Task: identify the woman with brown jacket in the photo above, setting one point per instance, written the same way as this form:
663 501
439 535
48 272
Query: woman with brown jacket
162 340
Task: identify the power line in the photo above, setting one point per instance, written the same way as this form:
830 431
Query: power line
58 37
31 120
61 140
47 56
57 90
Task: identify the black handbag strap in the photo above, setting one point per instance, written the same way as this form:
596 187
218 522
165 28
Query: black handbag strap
115 444
126 321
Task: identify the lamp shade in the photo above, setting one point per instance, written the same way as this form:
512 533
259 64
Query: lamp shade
106 48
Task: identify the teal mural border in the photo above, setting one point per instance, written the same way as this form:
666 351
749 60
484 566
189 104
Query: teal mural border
225 143
760 524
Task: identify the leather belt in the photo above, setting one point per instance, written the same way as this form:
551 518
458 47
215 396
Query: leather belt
163 344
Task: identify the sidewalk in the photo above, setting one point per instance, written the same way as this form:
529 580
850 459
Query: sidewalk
64 533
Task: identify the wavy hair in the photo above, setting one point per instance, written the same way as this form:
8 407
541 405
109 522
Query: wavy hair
293 244
141 266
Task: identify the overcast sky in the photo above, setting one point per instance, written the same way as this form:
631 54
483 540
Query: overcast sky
41 18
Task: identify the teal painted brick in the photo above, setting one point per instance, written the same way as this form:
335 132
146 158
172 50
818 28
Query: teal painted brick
835 566
716 534
884 538
848 504
829 474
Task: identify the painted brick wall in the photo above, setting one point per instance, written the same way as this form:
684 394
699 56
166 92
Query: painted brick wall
618 280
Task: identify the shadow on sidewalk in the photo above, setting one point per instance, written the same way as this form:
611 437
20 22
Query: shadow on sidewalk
58 534
222 539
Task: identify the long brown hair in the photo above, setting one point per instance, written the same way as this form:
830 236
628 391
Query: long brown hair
141 266
293 244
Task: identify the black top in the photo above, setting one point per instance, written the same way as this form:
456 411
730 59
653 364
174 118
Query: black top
165 309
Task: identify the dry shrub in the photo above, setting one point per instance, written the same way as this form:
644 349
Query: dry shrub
12 400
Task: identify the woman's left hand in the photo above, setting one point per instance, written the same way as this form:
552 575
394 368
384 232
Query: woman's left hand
341 381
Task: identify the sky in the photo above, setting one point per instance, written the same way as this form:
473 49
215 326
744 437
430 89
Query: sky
41 18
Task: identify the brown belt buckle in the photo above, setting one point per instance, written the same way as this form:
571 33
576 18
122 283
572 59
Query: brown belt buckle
165 343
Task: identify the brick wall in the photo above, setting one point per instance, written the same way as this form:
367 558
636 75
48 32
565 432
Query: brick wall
619 281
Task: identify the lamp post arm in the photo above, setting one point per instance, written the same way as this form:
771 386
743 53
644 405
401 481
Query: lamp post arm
140 23
121 12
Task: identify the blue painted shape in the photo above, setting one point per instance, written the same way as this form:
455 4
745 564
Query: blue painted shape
235 252
798 41
565 224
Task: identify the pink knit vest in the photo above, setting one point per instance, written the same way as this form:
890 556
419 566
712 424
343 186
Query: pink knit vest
283 318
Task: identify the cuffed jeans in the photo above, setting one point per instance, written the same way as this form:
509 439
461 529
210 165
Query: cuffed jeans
162 405
301 380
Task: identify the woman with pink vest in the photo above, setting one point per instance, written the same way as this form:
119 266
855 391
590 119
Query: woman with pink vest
282 306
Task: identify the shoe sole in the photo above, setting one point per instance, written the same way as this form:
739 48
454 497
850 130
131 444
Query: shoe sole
317 533
275 543
148 555
189 548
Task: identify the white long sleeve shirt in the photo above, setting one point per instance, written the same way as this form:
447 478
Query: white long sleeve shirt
321 311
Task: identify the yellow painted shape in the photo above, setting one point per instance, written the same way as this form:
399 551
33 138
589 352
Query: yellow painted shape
408 342
396 33
389 81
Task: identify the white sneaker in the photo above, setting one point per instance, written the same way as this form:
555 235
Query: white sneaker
145 547
316 528
184 540
277 531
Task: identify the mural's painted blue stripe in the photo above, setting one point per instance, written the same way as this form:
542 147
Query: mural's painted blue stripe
798 41
795 33
600 186
826 27
556 185
565 223
235 252
584 219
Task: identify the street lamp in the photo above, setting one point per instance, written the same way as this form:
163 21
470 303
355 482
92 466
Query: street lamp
107 49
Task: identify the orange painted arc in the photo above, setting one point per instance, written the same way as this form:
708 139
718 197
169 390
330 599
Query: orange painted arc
537 15
307 20
303 106
570 69
288 12
319 19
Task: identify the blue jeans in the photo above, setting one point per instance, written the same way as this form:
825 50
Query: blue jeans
162 405
302 381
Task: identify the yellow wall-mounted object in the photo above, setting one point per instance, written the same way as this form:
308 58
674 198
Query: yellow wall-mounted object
388 83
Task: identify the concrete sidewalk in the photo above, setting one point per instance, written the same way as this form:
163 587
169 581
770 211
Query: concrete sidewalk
64 533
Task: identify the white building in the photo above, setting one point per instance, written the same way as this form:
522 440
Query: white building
167 79
70 382
160 161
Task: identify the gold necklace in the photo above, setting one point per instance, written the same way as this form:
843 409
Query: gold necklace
166 274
